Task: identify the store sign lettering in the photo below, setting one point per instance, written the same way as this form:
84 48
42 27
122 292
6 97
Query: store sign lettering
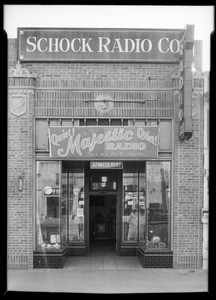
106 165
98 44
104 45
103 142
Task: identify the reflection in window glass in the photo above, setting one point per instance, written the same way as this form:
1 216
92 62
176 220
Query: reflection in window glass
158 203
49 230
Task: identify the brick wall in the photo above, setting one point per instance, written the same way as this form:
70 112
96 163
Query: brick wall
188 195
187 163
20 159
20 203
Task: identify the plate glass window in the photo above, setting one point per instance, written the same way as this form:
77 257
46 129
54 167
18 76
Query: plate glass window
158 205
50 207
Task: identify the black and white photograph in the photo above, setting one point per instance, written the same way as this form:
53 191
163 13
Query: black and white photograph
108 148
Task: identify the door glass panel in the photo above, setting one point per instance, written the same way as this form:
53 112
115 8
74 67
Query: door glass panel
158 204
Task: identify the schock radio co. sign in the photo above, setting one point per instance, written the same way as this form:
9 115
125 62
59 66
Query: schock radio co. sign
45 44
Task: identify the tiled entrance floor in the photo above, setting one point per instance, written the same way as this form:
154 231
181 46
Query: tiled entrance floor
102 257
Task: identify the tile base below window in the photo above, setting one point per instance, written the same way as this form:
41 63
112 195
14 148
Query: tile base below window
155 259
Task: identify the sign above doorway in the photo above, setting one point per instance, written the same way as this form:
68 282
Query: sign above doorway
106 165
121 142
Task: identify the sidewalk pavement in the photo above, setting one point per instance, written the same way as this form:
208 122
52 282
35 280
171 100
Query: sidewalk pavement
138 280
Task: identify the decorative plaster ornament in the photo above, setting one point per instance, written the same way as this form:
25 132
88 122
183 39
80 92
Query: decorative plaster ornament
103 103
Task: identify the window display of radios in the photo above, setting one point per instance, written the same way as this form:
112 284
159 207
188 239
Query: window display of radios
50 224
157 222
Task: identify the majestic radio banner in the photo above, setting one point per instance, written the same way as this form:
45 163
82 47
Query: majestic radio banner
103 142
46 44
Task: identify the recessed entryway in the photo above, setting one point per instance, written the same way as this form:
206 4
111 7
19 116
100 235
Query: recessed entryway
102 257
102 221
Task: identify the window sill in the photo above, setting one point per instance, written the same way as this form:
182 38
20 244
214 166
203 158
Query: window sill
50 251
158 250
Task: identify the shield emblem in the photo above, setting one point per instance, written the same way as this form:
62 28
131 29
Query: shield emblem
18 105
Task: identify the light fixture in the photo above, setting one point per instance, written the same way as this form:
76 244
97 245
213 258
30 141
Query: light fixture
20 181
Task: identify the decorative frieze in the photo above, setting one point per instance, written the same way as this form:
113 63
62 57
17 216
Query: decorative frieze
89 84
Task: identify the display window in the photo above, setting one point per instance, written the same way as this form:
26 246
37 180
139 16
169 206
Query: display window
133 205
73 172
158 205
146 204
51 206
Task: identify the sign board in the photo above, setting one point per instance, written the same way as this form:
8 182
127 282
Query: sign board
185 113
144 45
106 165
103 142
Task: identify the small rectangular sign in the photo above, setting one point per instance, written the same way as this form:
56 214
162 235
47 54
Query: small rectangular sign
103 142
106 165
68 44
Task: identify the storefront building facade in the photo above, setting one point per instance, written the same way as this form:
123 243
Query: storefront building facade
105 143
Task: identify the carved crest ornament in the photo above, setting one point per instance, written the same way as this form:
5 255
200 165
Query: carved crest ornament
18 97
